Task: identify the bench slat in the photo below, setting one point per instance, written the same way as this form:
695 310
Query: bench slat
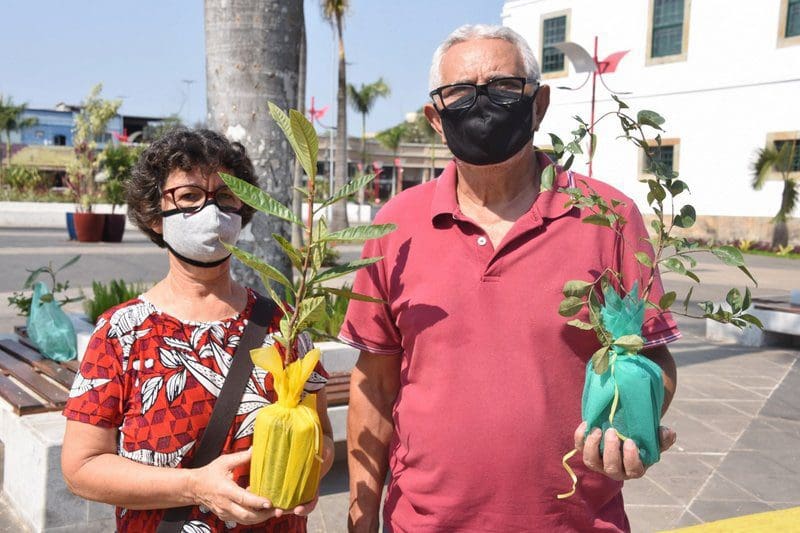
22 402
28 376
338 388
48 367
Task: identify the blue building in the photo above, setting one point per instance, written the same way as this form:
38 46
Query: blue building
54 127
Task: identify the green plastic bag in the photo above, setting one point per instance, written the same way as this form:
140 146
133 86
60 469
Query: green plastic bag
629 395
49 327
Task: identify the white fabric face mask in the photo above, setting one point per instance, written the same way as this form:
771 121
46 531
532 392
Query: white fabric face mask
195 237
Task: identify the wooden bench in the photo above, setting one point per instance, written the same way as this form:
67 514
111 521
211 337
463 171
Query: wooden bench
781 320
29 382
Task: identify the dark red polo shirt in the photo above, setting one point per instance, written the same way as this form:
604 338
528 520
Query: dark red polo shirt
491 375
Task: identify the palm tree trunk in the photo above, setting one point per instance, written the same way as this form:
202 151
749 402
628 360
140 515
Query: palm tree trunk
363 159
297 200
339 214
252 57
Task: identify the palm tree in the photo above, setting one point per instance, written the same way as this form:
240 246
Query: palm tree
391 139
784 158
362 100
334 11
11 120
252 58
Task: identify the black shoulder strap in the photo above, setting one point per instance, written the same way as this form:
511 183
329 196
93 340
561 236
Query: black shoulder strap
227 403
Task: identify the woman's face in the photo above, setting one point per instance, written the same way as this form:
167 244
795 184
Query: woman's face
210 181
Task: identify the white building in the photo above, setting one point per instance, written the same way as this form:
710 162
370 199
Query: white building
725 75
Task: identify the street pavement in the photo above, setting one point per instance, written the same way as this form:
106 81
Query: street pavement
736 411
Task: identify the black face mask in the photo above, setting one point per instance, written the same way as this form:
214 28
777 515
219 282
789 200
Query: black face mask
488 133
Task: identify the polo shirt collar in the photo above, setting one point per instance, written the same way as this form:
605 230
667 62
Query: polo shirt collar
548 204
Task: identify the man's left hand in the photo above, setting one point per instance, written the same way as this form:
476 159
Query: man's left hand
619 461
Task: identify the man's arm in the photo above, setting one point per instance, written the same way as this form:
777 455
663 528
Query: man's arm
374 383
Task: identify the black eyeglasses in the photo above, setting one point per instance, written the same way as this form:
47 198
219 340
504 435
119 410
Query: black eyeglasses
502 91
191 198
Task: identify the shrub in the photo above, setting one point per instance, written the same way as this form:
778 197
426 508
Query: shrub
107 296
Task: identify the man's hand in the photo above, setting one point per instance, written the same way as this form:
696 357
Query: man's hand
213 487
619 461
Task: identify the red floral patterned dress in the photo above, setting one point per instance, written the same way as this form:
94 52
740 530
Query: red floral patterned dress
156 378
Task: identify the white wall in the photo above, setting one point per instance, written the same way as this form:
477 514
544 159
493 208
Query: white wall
735 86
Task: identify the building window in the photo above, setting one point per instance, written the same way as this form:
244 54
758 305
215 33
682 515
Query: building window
789 23
60 140
554 30
667 154
794 146
792 18
667 38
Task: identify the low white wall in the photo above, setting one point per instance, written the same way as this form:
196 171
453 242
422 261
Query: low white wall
46 214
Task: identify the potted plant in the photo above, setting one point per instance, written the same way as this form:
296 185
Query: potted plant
90 125
117 161
624 390
287 437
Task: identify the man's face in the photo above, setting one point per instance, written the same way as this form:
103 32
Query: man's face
479 61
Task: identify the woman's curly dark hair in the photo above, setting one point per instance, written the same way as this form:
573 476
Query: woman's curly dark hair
186 150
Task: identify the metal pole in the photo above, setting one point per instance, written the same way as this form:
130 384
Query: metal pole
594 83
331 140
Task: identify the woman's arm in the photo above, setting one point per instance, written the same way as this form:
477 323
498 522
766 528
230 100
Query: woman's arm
93 470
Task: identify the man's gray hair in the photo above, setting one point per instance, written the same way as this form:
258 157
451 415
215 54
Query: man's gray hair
470 32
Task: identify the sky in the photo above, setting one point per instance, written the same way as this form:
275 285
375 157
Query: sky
150 53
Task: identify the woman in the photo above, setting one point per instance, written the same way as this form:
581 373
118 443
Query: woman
155 365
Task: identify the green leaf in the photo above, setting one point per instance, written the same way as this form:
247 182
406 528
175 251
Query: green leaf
360 233
622 105
570 306
568 162
574 148
548 177
283 122
646 117
687 300
657 192
631 343
752 319
351 187
592 144
577 288
309 310
342 270
686 218
747 300
290 295
558 144
294 255
748 274
306 143
350 295
258 199
69 263
677 187
597 220
734 299
667 300
644 259
600 360
258 265
580 324
729 255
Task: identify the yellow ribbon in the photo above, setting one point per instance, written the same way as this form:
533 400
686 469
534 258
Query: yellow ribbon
571 473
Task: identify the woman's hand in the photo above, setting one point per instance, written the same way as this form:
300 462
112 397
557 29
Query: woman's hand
213 486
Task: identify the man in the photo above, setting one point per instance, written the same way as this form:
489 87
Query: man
469 383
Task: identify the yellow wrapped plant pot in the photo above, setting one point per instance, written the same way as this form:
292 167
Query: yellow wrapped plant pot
287 442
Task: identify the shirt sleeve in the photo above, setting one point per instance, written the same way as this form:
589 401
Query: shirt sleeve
97 392
659 327
370 326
